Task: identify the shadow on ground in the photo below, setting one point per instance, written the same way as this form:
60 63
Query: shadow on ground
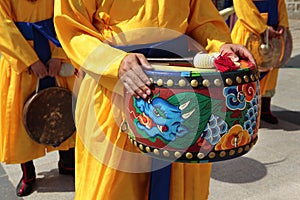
52 181
289 116
238 170
294 62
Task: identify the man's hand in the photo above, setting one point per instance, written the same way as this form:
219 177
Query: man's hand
133 77
275 33
237 52
54 67
39 69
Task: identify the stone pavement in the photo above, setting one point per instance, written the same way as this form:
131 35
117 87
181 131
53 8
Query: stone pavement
270 171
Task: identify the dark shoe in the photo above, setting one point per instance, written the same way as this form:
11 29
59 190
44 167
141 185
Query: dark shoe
27 181
269 118
65 170
266 114
24 188
66 163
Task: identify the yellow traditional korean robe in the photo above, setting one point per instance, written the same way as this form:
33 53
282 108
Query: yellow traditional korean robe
250 20
108 166
17 84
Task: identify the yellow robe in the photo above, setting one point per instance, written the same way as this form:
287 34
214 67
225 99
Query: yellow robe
17 84
250 20
108 166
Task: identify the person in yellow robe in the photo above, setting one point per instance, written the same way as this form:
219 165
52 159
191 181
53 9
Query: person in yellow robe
20 65
255 17
92 33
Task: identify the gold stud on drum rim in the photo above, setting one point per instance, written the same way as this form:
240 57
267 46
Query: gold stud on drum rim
200 155
177 154
238 79
189 155
159 82
194 83
222 154
229 81
170 83
231 152
182 83
141 147
240 150
252 77
166 153
212 155
217 82
206 83
246 78
247 148
156 152
148 149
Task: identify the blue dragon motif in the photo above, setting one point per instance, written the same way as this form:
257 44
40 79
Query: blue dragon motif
161 118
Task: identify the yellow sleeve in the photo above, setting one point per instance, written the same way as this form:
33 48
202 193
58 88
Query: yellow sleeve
58 53
250 16
12 43
283 15
207 26
83 43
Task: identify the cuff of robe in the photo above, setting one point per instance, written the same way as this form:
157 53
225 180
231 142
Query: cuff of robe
106 74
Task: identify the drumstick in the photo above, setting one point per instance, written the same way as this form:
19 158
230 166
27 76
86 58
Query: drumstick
169 60
200 60
183 62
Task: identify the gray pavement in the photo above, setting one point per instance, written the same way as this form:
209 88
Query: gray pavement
270 171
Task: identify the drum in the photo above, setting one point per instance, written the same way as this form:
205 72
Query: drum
268 53
48 116
196 115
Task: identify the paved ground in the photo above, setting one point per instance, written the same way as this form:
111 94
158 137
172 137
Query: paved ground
270 171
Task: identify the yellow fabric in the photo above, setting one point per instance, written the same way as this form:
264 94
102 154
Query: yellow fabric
17 84
250 20
269 83
107 165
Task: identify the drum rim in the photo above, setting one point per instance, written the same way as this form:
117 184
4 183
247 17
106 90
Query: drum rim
190 157
203 80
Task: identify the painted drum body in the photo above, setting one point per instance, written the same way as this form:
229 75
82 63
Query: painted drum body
196 115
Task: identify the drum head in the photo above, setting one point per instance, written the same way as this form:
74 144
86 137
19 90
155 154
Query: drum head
266 56
48 116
